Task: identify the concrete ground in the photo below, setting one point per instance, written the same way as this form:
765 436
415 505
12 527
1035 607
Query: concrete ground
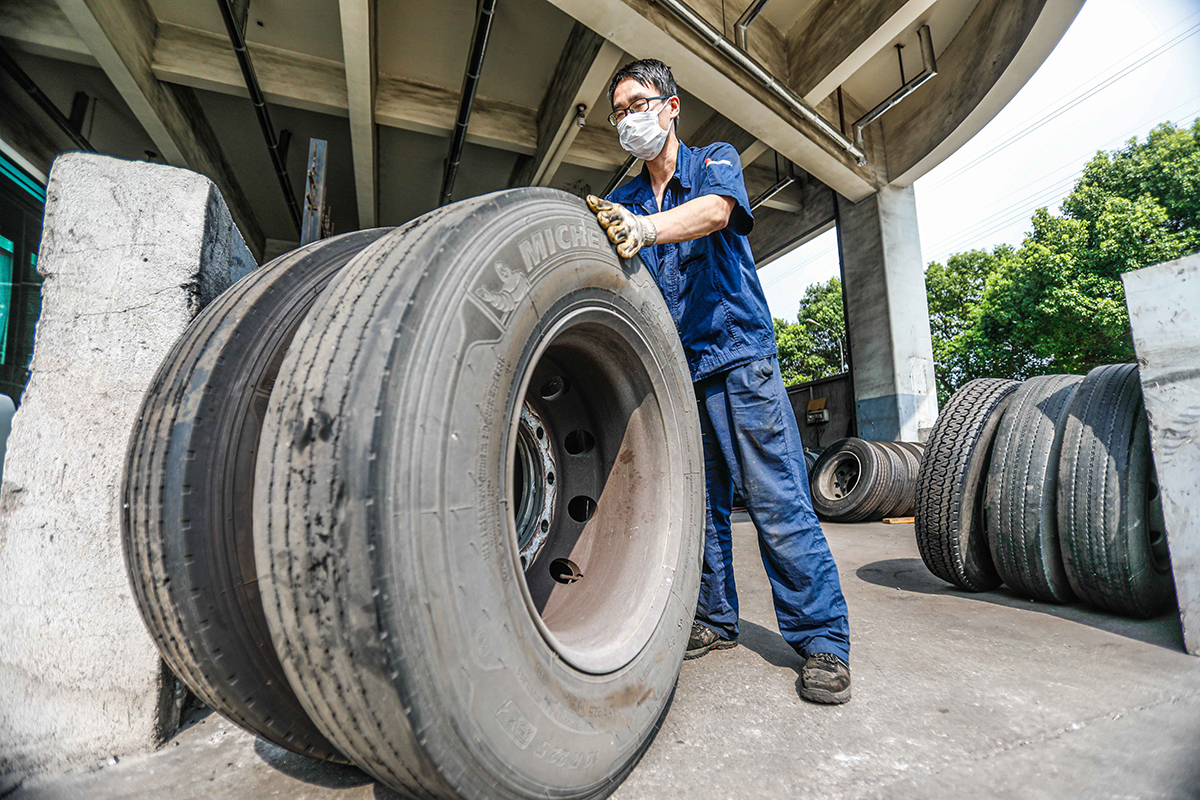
955 695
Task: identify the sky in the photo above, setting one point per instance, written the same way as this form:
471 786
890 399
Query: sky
1121 68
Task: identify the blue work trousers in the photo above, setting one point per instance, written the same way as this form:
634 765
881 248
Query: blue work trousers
751 441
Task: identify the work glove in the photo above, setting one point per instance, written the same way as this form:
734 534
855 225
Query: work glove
626 230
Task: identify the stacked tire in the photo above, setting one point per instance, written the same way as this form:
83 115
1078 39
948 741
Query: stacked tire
371 497
1048 487
855 480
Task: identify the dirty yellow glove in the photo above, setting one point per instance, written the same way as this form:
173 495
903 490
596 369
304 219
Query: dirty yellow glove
626 230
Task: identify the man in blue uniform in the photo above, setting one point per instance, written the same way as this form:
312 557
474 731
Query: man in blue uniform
688 216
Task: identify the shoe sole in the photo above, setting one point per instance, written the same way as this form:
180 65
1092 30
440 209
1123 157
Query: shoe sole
826 697
690 654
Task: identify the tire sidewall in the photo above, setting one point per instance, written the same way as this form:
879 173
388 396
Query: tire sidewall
503 698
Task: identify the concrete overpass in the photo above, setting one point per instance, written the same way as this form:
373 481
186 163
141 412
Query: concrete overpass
381 80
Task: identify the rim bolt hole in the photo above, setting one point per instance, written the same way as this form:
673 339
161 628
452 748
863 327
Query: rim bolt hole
545 525
564 570
581 508
579 442
541 434
554 387
550 478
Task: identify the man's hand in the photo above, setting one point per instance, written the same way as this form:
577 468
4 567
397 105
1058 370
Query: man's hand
626 230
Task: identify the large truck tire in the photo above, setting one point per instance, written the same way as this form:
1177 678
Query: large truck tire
1022 521
898 468
189 481
849 481
479 508
901 505
1110 520
949 520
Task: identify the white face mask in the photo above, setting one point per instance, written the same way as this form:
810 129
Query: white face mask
641 135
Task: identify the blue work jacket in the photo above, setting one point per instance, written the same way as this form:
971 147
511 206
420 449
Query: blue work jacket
710 284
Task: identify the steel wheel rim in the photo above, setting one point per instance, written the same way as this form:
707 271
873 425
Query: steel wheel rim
597 579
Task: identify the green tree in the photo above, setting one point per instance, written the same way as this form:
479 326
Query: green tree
809 347
1057 304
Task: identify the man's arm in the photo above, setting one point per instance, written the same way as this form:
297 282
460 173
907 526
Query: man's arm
692 220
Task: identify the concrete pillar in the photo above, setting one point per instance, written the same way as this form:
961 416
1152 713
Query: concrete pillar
130 252
887 322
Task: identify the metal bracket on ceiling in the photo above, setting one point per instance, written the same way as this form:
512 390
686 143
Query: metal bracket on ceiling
929 69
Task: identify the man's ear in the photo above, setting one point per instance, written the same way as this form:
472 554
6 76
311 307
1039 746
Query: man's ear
674 104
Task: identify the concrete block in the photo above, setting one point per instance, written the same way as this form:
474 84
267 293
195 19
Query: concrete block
130 252
1164 311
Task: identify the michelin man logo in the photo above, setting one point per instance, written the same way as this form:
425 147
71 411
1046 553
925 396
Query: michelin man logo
513 288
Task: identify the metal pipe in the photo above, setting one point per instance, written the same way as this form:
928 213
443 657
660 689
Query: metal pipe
619 176
260 108
793 101
779 186
929 64
747 17
25 82
483 25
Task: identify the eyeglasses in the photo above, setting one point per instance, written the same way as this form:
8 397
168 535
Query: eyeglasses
636 107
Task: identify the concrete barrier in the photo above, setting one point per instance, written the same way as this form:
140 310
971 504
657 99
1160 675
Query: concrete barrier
130 252
1164 312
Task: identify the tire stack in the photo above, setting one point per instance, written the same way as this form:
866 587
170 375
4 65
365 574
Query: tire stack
1047 486
856 481
370 499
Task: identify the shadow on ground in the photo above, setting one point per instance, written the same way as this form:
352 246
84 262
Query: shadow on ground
770 646
314 772
911 575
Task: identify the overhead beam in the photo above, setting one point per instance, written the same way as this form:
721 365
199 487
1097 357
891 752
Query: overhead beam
778 232
195 58
832 44
120 35
584 67
760 178
203 60
358 50
643 28
40 27
751 152
24 128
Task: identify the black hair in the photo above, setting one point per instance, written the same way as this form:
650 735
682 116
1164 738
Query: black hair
649 72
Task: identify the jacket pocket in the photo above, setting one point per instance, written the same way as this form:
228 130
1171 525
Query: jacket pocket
696 255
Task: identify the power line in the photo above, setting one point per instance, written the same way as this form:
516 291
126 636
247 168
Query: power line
1114 65
1075 101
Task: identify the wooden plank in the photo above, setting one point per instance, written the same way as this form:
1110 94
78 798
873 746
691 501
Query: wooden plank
899 520
120 35
358 49
314 192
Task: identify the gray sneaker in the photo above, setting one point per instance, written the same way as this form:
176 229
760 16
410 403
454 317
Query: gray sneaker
703 639
825 679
